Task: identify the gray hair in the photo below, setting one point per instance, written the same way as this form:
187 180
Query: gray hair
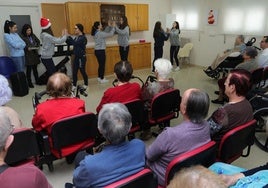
114 122
5 91
197 106
5 128
163 67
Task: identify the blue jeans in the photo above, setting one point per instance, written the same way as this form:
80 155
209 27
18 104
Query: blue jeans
19 63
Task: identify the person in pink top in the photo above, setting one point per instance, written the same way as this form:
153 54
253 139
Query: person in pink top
124 91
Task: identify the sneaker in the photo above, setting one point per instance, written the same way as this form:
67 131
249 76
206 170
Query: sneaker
177 69
73 88
217 101
98 79
84 87
103 81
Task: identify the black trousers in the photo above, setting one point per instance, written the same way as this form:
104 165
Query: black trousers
174 50
123 52
158 53
29 69
80 64
101 57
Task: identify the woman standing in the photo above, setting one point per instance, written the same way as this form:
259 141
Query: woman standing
15 45
123 38
31 53
175 44
160 36
48 44
100 45
79 49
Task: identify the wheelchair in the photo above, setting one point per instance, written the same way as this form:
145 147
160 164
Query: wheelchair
259 104
229 63
80 90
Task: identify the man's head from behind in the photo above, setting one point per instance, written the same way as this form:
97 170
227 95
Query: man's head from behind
123 71
238 82
5 130
59 85
114 122
194 105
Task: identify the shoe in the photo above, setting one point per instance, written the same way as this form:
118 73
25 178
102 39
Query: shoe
177 69
103 81
85 87
73 88
99 79
217 101
217 92
30 84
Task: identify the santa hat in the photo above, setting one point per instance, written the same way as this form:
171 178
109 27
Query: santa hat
45 23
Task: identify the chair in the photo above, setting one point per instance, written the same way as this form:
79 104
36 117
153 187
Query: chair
24 148
144 178
7 66
164 107
204 155
69 135
136 109
235 141
257 77
185 51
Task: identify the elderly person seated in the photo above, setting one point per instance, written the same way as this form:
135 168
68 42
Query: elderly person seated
231 54
124 91
238 110
118 158
61 104
190 134
26 175
248 64
163 68
5 97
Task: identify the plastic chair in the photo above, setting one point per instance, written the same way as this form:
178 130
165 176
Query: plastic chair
185 51
66 135
144 178
136 109
7 66
204 155
235 141
24 148
164 107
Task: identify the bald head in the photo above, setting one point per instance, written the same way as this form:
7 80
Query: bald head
59 85
194 105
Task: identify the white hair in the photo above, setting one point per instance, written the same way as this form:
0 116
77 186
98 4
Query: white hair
5 91
163 67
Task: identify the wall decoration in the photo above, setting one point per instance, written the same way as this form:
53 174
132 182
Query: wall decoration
212 17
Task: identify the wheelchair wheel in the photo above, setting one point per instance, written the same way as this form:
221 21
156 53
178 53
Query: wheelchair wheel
261 130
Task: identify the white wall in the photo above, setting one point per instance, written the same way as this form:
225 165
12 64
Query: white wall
210 40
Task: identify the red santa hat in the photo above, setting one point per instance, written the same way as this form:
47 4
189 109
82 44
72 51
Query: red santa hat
45 23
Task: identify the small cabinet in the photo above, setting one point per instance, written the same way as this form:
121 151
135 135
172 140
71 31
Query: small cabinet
140 55
82 12
138 16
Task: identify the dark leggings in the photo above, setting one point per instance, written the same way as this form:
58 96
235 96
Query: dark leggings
174 50
50 66
158 53
101 57
79 63
123 52
29 69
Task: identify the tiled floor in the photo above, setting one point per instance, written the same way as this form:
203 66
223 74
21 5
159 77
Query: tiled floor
188 77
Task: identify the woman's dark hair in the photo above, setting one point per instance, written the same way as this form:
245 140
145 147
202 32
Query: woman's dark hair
123 71
25 28
94 28
177 26
242 80
48 30
124 24
80 27
7 25
157 29
197 106
251 52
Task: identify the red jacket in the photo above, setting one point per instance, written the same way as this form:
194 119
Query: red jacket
55 109
122 93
